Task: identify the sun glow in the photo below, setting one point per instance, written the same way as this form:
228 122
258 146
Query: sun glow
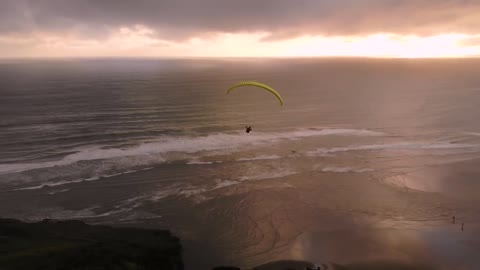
140 41
384 45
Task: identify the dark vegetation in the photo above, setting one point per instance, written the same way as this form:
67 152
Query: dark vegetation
73 245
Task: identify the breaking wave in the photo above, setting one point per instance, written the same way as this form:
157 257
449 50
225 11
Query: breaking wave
261 157
346 170
394 146
220 141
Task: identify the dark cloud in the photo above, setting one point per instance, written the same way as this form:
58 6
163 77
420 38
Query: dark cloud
177 19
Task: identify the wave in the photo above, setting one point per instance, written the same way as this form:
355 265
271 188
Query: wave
267 175
309 132
188 190
55 184
68 182
472 133
261 157
197 162
158 195
393 146
185 144
126 208
136 217
346 170
58 191
61 214
226 183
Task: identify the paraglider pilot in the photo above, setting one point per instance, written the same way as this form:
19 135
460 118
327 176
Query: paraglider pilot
248 129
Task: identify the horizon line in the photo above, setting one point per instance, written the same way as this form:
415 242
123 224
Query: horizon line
231 57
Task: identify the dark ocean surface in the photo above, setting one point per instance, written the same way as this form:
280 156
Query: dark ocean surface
367 161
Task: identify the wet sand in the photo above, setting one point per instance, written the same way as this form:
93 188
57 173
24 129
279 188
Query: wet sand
319 217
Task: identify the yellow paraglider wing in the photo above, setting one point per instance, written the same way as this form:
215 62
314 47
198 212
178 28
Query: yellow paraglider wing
258 84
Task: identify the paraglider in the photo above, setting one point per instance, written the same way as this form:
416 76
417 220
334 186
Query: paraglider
260 85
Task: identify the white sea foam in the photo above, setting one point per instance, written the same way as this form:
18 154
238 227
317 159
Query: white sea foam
267 175
393 146
61 183
158 195
346 169
150 151
55 213
472 133
139 216
225 183
187 190
197 162
261 157
58 191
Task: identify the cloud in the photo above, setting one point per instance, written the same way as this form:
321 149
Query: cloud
471 42
179 20
126 41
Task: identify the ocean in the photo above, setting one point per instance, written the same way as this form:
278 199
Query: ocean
368 160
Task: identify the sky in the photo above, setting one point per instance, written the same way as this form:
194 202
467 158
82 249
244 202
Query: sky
239 28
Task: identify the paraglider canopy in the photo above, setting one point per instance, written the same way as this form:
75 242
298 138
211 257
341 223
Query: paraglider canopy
259 85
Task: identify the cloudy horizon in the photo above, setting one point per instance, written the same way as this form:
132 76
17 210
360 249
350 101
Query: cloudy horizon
210 28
